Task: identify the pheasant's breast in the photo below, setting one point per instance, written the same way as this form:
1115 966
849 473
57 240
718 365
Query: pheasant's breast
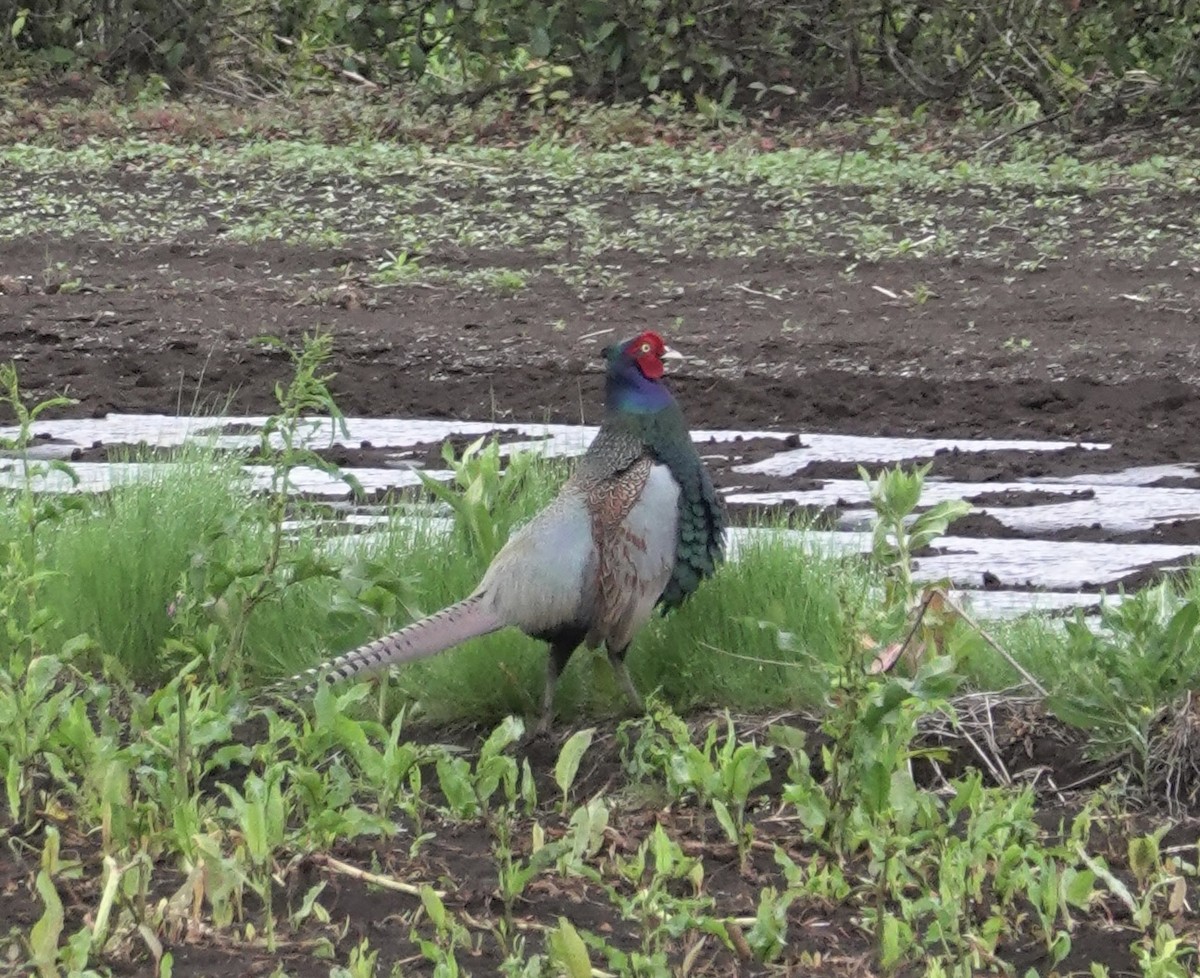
636 558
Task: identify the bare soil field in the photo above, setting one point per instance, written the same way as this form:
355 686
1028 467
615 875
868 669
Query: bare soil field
1083 347
1059 353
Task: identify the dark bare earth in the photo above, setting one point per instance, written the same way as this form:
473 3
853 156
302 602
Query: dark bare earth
1083 349
1098 367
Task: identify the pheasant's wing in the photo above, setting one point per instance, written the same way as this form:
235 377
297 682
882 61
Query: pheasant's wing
634 516
701 542
542 579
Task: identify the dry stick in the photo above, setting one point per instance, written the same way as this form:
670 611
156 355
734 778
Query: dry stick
738 940
1005 654
1054 116
689 959
989 733
387 882
1115 886
746 288
594 333
460 164
529 925
353 76
995 765
751 658
925 602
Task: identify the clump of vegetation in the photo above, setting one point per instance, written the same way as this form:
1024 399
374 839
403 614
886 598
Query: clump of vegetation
1027 60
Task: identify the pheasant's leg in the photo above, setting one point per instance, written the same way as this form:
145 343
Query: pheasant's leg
626 681
547 715
556 661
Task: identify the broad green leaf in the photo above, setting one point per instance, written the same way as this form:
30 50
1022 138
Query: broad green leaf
44 935
1078 887
12 787
568 952
725 820
509 731
569 758
891 948
1060 948
768 937
528 786
454 778
493 771
812 808
876 787
588 823
1182 628
433 906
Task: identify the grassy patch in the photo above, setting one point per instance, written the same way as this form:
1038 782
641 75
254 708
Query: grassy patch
766 632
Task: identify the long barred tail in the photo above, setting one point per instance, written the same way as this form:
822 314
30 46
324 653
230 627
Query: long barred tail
429 636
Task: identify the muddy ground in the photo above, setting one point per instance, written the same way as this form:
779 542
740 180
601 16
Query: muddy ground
1081 350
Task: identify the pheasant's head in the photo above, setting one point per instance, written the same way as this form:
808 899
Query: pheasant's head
635 369
645 352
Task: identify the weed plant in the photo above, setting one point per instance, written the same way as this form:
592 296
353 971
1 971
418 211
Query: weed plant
115 566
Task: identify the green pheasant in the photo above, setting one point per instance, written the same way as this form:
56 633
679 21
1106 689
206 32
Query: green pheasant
637 525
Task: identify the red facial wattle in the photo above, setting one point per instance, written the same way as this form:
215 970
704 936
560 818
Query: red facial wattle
650 366
647 351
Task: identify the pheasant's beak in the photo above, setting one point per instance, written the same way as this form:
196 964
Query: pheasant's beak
669 354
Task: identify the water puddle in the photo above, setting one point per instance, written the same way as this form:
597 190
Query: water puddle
1061 574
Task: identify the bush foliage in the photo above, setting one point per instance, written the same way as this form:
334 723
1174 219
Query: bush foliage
1028 57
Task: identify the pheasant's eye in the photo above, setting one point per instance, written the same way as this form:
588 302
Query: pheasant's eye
644 348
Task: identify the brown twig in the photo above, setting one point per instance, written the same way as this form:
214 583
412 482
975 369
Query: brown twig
336 69
387 882
1004 653
1045 120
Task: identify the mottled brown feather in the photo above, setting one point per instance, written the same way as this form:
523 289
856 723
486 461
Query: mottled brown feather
609 502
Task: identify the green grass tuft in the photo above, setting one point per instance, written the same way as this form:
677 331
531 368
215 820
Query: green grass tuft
113 568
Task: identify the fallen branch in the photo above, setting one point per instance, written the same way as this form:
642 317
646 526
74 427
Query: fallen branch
1045 120
331 66
1004 653
387 882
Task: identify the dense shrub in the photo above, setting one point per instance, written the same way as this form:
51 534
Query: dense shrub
1029 56
127 35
